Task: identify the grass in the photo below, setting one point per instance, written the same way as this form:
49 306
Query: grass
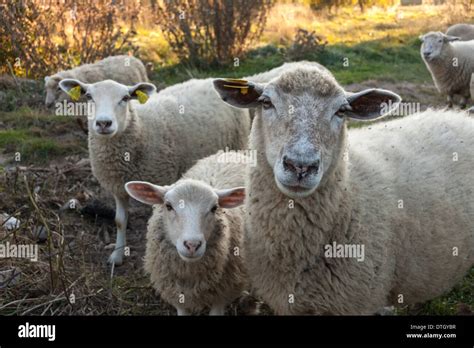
391 60
36 136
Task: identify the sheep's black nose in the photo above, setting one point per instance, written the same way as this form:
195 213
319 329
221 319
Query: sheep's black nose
103 124
301 168
427 54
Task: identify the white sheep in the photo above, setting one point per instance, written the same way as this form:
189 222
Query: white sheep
450 62
156 141
462 30
347 222
126 70
195 235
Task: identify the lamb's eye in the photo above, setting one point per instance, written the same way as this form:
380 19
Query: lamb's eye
214 209
126 98
266 102
88 96
169 207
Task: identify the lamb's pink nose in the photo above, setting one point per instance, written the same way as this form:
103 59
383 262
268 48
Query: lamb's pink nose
192 245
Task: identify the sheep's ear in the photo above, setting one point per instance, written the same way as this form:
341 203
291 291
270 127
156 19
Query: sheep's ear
74 88
449 38
142 91
422 38
145 192
370 104
231 198
239 93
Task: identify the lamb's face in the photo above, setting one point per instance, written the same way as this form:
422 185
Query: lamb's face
433 43
301 134
190 215
110 107
53 92
110 114
191 211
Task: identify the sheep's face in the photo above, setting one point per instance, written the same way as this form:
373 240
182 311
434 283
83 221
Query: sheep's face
111 103
299 123
191 212
433 43
301 134
53 92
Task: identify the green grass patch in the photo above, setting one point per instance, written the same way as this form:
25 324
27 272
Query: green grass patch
391 59
37 136
33 148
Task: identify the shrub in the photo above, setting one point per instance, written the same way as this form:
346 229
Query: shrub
211 32
38 37
306 43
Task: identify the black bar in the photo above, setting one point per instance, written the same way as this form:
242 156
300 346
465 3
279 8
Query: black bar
242 330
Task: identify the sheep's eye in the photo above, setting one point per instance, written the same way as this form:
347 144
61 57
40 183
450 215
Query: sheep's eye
169 207
214 209
343 109
266 102
88 96
126 98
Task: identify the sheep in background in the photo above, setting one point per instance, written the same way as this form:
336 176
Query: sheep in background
126 70
347 222
450 62
194 236
464 31
156 141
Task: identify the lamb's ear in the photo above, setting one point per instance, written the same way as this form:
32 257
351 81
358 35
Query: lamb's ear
145 192
231 198
449 38
370 104
142 91
239 93
74 88
422 38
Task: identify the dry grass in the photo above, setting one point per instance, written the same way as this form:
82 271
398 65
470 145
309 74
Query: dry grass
350 26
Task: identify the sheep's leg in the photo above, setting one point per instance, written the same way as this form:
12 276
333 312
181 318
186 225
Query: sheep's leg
121 217
182 311
450 101
217 309
463 102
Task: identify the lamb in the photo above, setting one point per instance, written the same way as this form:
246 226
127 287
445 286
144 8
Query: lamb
127 70
464 31
347 222
156 141
195 235
450 62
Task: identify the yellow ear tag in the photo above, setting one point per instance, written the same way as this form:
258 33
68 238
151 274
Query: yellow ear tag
75 93
142 97
237 81
243 89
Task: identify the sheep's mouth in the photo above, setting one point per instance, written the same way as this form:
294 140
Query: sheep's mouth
104 131
188 258
295 191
